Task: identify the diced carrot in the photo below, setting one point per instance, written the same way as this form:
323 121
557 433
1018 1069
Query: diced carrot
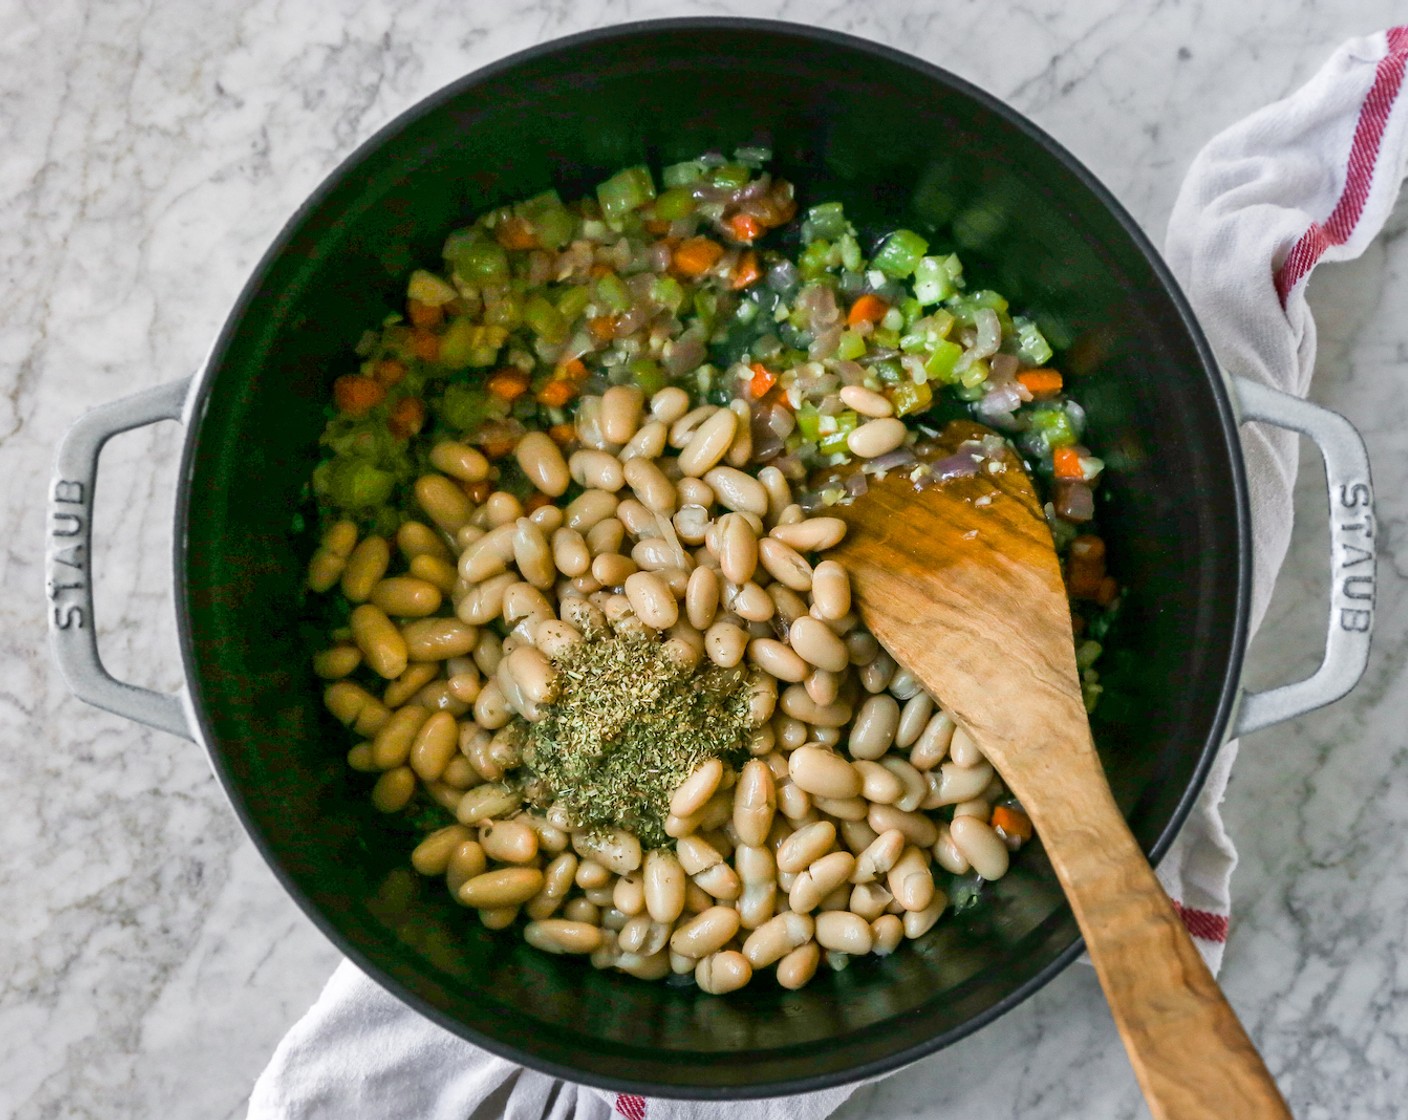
1012 821
573 369
745 228
425 344
407 417
389 372
763 380
508 384
1066 463
870 308
498 447
1040 382
536 500
479 492
748 271
696 256
1107 592
562 434
598 270
356 395
516 233
557 392
423 314
657 226
602 328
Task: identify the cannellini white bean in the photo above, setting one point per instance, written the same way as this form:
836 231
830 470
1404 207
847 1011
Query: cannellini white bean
981 846
866 401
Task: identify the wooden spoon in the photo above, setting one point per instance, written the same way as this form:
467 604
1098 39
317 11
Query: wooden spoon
960 582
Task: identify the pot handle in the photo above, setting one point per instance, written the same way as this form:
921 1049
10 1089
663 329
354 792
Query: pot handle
1352 527
69 560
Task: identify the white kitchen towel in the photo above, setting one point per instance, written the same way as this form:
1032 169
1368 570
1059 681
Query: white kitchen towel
1311 177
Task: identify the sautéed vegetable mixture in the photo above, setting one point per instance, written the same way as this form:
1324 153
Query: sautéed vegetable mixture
584 627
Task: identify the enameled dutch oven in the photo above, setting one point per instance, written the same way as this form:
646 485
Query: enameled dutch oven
900 143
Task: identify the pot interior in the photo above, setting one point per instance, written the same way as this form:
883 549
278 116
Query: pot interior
900 144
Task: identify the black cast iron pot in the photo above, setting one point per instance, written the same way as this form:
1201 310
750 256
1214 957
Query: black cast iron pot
900 143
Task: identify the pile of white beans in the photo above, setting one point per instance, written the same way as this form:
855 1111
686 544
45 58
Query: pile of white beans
821 846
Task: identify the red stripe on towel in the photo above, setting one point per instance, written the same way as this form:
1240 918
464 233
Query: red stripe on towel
1202 923
631 1106
1363 153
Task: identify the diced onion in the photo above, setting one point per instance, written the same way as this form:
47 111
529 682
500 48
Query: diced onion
1075 501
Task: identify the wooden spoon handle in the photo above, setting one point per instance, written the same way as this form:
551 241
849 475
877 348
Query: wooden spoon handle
1191 1055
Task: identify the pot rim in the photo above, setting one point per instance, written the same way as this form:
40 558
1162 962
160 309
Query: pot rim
198 398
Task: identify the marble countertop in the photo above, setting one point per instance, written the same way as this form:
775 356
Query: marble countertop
148 960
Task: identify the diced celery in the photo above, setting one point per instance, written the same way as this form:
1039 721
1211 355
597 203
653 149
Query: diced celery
647 375
544 319
974 376
753 155
731 176
488 341
826 222
954 267
851 346
625 191
674 204
834 442
932 281
457 343
889 371
1032 347
968 392
357 484
466 407
887 338
940 364
506 312
1062 534
1090 691
909 397
426 287
963 306
477 261
911 310
668 293
851 258
573 301
1053 426
893 320
682 174
917 342
532 207
706 306
1087 653
554 227
552 223
814 260
612 291
900 253
809 423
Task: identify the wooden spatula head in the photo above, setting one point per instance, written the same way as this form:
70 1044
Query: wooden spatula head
959 580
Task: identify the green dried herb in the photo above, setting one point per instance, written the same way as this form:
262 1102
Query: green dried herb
628 726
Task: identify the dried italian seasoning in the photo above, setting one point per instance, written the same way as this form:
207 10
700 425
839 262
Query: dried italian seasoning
628 726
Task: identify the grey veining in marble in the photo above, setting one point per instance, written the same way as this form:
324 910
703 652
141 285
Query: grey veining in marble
148 961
